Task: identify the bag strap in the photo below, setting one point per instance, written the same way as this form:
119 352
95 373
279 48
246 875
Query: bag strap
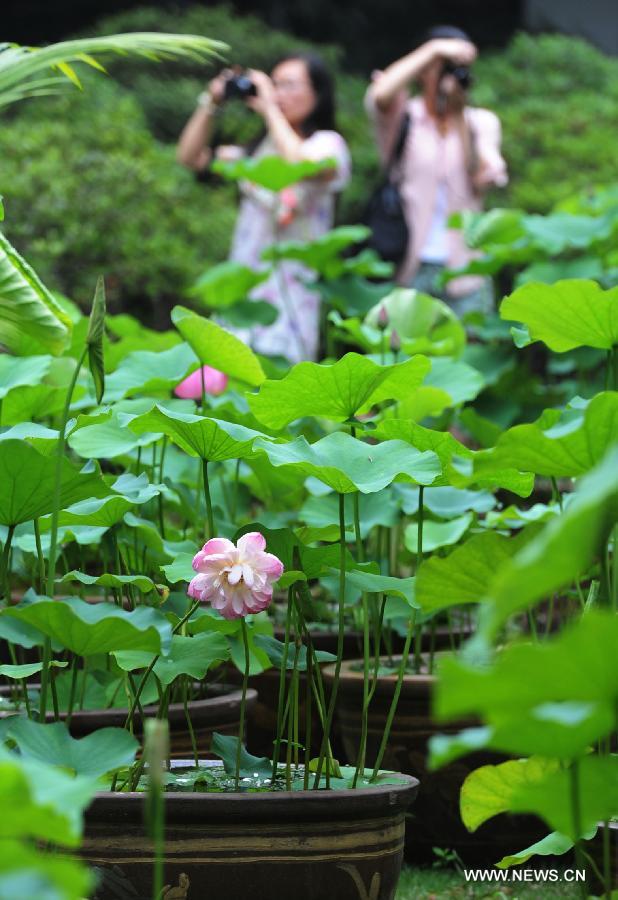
400 143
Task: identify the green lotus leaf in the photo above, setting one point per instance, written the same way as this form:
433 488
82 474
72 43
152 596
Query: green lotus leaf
192 656
179 570
108 580
322 254
560 231
562 450
449 449
444 502
566 315
17 371
45 802
216 347
33 402
346 464
227 283
38 436
465 574
491 790
31 321
370 582
553 844
97 754
437 534
514 517
323 513
28 669
562 552
538 787
336 392
421 321
271 172
275 651
27 482
86 628
352 296
562 730
147 372
106 438
225 747
26 872
525 675
210 439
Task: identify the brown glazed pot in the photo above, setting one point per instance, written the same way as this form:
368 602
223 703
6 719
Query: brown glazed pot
324 845
435 821
219 712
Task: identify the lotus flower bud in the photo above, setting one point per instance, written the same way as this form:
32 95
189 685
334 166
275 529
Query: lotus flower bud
382 318
395 341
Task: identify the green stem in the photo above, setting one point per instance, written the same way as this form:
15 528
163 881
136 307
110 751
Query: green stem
243 700
308 720
45 679
395 701
576 812
74 672
4 563
419 558
185 701
282 679
209 512
234 505
40 557
362 750
51 572
340 636
153 663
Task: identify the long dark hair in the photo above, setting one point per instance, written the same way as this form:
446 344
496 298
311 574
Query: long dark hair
322 117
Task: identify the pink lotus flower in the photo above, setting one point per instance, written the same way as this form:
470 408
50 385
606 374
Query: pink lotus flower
235 579
215 382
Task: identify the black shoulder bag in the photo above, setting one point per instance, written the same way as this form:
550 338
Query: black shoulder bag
384 214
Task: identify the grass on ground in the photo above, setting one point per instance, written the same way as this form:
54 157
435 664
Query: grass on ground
449 884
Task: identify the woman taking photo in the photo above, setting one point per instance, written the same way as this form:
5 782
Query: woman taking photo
449 157
297 106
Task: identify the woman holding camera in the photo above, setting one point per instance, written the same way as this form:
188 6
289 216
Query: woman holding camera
449 155
296 103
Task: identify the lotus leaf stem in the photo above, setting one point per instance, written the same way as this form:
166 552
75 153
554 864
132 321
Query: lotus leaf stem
243 700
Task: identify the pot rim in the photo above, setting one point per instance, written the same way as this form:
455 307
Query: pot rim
384 800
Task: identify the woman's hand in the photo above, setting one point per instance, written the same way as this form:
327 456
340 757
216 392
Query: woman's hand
216 87
266 98
460 52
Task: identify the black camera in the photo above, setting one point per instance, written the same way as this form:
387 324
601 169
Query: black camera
461 74
239 87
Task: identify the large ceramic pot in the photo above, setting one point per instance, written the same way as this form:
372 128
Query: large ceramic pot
435 821
219 711
324 845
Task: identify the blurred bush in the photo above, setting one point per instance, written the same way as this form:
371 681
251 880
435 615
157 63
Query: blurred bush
557 98
88 190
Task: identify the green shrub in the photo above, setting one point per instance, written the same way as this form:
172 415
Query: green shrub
557 98
88 190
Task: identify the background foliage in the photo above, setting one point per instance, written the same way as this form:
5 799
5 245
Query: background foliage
107 196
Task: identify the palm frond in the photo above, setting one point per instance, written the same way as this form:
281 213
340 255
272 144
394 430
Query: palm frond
19 64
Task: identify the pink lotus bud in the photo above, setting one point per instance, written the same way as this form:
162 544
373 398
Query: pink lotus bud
395 341
236 579
382 318
215 382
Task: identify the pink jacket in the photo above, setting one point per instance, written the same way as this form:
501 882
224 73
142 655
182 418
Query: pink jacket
429 157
